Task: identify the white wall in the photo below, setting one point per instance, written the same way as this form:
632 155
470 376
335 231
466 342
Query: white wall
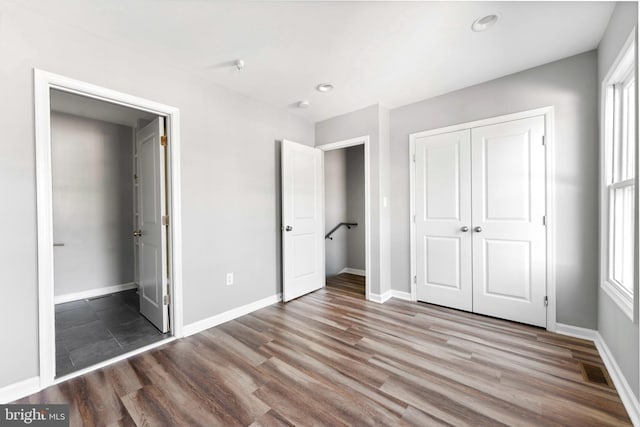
230 174
570 85
92 203
335 210
618 331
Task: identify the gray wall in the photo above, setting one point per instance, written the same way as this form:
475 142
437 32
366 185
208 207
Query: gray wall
570 85
618 331
344 202
228 149
92 203
335 210
355 207
367 121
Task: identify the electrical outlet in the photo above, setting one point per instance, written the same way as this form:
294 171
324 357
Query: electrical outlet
229 279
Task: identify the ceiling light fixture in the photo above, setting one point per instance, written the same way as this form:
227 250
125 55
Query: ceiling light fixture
484 23
304 104
324 87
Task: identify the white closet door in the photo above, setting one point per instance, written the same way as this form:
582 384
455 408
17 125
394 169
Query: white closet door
443 213
508 204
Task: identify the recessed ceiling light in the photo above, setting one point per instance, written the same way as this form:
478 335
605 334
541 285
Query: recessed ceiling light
324 87
484 23
304 104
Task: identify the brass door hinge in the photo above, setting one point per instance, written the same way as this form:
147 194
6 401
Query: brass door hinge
167 299
165 220
163 140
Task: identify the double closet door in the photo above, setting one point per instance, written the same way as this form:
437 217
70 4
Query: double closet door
480 220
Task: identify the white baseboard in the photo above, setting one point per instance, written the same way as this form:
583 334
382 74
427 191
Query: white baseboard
355 271
625 392
19 390
401 295
92 293
234 313
380 298
623 388
576 332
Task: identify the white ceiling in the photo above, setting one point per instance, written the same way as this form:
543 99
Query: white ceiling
393 53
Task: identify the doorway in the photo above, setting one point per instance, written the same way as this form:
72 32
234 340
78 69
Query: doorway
344 218
303 216
108 256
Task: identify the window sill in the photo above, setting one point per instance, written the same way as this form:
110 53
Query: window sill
622 300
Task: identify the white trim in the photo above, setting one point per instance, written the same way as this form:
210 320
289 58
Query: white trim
548 113
401 295
625 392
19 390
234 313
550 181
381 298
614 291
485 122
412 225
576 332
92 293
623 388
113 360
355 271
43 82
365 141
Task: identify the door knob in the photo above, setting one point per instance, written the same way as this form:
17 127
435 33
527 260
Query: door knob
288 228
478 229
137 233
464 228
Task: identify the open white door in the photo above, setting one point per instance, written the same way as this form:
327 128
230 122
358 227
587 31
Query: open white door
302 220
150 233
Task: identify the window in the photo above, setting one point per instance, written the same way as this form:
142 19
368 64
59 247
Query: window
619 153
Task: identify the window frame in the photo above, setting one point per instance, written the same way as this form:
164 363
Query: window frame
621 73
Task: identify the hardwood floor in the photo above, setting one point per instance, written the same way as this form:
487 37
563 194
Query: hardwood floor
331 358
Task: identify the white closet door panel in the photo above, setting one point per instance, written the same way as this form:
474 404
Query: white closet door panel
508 204
443 208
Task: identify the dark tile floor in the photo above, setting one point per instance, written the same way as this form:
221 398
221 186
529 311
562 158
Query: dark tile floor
93 330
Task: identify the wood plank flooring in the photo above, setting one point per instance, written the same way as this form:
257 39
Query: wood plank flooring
332 358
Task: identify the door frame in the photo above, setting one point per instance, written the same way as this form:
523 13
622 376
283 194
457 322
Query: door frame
364 141
548 113
43 83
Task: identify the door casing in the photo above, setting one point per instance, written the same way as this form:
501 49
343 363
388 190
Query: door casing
548 113
43 83
364 141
